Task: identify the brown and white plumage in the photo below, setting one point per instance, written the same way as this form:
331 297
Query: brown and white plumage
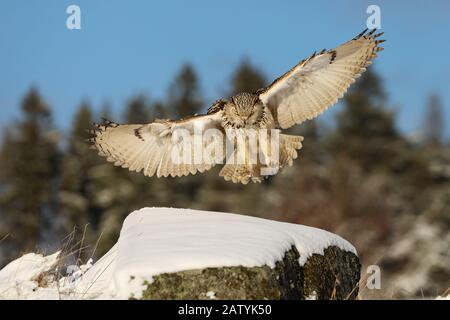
300 94
147 148
318 81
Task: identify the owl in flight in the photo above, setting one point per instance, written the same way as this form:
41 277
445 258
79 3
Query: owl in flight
222 136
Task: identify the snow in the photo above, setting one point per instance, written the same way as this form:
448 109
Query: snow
33 276
312 296
20 278
163 240
431 247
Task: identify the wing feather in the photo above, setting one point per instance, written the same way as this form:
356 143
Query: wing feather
319 81
150 147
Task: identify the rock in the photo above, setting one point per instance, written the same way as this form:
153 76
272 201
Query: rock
165 253
334 275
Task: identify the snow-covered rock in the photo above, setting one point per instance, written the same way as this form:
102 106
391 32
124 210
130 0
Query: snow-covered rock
22 278
180 253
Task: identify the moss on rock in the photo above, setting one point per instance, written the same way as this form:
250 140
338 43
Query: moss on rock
334 275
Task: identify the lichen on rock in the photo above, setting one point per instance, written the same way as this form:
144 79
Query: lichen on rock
333 275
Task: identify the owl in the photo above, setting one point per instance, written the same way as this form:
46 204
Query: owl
244 132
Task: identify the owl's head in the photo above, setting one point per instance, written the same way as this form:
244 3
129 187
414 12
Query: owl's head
244 110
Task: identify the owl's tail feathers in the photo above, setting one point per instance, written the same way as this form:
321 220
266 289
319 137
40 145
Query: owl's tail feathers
289 144
244 173
241 173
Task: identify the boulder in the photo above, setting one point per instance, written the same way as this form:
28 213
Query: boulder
166 253
333 275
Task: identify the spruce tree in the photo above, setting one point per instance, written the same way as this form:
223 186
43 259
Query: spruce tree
184 97
434 121
29 174
365 131
247 78
77 199
137 110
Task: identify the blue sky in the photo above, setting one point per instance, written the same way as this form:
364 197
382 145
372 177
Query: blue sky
130 47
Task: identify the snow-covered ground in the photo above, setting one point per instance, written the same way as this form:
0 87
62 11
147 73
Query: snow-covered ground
160 240
431 259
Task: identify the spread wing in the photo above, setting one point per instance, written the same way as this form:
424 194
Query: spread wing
164 147
319 81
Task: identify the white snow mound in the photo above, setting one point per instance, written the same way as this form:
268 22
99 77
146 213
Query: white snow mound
21 278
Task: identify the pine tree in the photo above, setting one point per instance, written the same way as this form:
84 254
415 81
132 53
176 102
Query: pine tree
105 113
247 78
312 144
434 121
184 97
366 138
159 111
29 173
77 200
365 130
138 110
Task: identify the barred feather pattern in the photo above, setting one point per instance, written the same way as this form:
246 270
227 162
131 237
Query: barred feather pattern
318 81
302 93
